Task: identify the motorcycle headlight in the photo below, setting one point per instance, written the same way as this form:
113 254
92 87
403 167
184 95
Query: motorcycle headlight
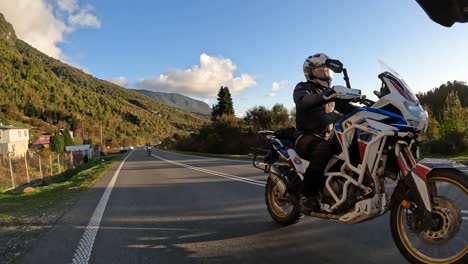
420 117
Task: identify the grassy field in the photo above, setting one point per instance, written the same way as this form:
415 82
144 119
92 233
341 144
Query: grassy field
16 206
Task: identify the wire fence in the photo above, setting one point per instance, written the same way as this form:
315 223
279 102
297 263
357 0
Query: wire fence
35 167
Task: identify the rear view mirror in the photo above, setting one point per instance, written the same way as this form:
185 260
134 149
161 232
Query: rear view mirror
335 65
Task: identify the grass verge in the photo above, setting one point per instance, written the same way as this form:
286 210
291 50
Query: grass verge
24 217
15 206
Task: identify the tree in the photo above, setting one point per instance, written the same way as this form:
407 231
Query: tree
225 105
453 126
57 143
259 117
433 128
67 139
280 115
453 116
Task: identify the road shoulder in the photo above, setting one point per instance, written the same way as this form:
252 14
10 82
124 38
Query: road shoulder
32 233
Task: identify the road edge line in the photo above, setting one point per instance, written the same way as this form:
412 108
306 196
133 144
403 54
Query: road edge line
85 246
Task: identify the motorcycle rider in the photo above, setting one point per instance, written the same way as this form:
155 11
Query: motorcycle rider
315 101
148 148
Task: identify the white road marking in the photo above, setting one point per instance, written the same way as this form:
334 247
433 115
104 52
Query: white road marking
465 218
464 211
221 174
205 157
85 246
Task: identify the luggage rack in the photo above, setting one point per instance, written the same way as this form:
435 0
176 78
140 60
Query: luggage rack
260 165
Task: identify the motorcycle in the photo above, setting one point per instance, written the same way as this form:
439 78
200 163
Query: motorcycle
427 200
148 150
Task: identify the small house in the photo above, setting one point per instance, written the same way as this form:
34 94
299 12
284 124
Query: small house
14 141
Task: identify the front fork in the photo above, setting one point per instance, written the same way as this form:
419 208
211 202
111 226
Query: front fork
412 191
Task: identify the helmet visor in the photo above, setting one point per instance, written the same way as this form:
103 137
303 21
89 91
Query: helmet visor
323 73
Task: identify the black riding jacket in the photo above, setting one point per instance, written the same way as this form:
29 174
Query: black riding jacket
313 112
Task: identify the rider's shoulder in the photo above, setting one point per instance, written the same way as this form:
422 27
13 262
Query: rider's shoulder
302 85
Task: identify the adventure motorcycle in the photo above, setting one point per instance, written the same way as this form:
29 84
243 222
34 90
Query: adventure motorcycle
428 205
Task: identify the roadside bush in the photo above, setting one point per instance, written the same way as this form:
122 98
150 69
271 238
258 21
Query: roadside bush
446 145
224 135
450 135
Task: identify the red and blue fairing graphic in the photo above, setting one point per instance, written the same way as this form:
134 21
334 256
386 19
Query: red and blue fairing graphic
392 119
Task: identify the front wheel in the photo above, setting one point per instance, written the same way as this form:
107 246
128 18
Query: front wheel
446 241
280 208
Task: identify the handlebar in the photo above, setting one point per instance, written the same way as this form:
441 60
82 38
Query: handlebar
363 100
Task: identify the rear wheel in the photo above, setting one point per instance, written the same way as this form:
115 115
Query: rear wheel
446 241
279 206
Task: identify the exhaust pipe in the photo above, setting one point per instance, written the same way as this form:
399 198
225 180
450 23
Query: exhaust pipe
274 175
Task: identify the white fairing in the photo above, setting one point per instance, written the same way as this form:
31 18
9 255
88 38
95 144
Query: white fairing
300 164
397 93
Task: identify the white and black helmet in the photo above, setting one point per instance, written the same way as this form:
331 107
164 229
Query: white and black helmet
315 69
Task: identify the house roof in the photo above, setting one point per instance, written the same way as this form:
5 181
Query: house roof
77 148
42 140
5 127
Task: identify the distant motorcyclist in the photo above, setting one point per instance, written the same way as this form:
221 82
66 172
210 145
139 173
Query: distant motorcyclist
315 101
148 148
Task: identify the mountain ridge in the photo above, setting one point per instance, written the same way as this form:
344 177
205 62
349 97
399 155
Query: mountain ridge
178 100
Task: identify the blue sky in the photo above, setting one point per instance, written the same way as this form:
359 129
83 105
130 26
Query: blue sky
192 47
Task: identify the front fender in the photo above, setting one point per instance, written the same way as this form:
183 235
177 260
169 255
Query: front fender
427 165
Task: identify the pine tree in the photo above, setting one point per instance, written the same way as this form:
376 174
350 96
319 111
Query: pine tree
57 143
225 105
67 139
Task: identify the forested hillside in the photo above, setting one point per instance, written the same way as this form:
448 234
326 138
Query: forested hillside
179 101
45 93
435 98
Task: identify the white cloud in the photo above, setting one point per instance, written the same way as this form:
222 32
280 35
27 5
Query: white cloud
271 94
84 18
240 114
121 81
44 25
276 86
68 5
201 80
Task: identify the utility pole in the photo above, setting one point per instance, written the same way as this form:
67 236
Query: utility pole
11 170
100 146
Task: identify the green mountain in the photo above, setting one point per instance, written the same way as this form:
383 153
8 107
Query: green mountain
179 101
45 94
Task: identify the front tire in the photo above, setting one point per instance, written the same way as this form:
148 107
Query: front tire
451 230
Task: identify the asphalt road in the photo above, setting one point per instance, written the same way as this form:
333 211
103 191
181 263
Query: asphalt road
174 208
